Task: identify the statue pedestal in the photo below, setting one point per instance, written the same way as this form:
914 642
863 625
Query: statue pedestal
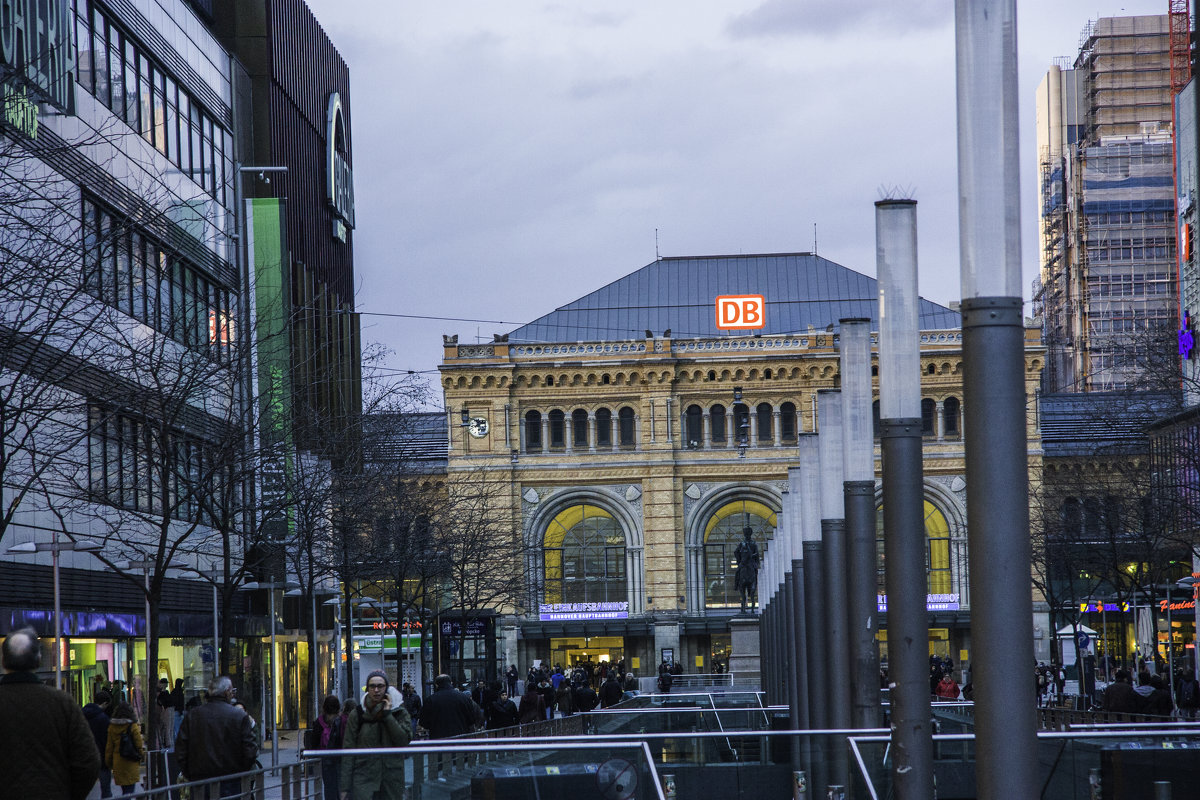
745 662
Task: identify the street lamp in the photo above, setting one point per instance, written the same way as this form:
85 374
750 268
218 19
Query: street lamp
271 587
54 548
215 577
145 565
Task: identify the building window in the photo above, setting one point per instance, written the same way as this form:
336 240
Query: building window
950 412
722 534
579 428
928 416
693 427
787 421
766 422
937 551
875 418
603 427
533 432
717 422
557 430
741 423
625 425
584 557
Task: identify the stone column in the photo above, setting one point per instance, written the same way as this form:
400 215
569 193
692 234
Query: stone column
730 429
778 416
752 438
569 433
706 416
591 432
939 423
546 434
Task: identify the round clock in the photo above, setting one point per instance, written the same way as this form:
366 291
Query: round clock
478 427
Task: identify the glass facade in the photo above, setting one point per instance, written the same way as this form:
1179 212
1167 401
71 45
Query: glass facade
722 535
584 557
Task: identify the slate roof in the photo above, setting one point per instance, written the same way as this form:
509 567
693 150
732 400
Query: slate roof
800 290
420 439
1095 423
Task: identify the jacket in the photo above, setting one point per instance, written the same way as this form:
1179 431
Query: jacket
501 714
1120 697
97 719
215 740
533 707
610 693
448 712
49 750
362 776
585 699
124 771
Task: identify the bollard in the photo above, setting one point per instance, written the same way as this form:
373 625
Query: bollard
1162 790
836 793
669 787
799 785
1094 782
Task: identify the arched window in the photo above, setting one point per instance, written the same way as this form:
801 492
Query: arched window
584 557
717 422
625 426
722 534
928 416
557 429
603 427
579 428
875 418
693 430
533 432
937 551
766 422
787 421
950 412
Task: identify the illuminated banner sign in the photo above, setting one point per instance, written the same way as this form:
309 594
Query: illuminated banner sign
933 602
741 312
339 178
1163 605
37 49
1098 607
583 611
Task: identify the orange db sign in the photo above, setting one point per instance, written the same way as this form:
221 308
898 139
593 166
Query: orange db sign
739 312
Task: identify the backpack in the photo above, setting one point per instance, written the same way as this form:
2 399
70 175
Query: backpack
331 738
128 747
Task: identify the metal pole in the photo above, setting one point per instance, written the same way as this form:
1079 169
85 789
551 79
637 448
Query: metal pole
216 631
274 726
150 670
999 550
832 558
57 616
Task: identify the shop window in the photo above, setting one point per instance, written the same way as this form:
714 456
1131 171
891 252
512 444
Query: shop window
557 429
603 427
717 421
937 551
787 421
579 428
625 425
722 535
533 432
584 557
693 427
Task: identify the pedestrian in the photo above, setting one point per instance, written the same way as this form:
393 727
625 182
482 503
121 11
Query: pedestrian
97 720
178 705
330 732
546 690
381 722
631 681
49 751
1158 703
164 708
447 712
1119 696
585 698
255 728
216 740
1187 690
501 713
533 706
510 677
611 691
412 703
947 688
125 749
564 699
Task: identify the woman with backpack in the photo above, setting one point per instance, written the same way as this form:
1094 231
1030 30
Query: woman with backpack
124 749
330 728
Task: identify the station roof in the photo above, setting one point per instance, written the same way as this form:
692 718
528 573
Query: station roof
801 291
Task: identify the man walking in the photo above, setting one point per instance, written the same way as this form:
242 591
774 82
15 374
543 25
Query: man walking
611 691
49 751
216 739
448 712
98 719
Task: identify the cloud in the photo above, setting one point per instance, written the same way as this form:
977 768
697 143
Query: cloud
813 18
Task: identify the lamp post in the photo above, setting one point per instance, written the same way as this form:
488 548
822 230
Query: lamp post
271 587
215 577
54 547
994 401
145 565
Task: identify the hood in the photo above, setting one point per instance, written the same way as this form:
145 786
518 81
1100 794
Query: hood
1144 691
91 711
393 693
120 722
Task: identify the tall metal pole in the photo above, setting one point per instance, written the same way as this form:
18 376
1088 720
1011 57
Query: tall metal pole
274 689
216 630
801 641
994 398
858 502
903 497
833 559
57 616
816 576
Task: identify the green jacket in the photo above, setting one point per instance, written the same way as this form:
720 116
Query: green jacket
362 776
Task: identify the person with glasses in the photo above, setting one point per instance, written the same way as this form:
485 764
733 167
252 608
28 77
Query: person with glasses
380 722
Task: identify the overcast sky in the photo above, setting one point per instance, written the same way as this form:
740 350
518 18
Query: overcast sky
512 156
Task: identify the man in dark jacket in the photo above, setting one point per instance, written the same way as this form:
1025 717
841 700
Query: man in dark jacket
216 739
1119 695
49 751
585 698
449 712
98 719
611 691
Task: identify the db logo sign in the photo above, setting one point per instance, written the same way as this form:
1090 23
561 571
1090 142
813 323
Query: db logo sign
739 312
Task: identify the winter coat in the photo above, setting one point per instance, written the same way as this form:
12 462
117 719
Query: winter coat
1120 697
947 689
448 712
97 720
124 771
502 714
533 707
566 699
363 776
585 698
610 693
49 751
215 739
